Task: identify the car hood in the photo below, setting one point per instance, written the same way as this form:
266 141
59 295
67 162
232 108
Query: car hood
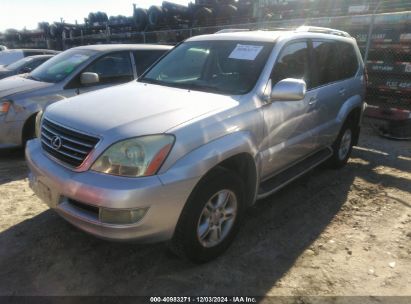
136 109
19 84
5 73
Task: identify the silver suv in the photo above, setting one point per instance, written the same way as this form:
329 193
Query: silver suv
219 122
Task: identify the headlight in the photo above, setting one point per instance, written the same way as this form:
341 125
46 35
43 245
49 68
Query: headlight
4 106
140 156
39 117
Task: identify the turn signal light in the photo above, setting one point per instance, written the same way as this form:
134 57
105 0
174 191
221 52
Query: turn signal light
4 107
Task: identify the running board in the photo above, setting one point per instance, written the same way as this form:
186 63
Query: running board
285 177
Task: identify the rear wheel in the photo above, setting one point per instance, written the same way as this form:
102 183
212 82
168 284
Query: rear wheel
211 217
342 147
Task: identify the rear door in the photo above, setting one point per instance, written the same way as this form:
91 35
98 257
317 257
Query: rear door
335 64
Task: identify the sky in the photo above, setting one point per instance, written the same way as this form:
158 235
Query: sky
27 13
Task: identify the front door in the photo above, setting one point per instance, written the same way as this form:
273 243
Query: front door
289 124
112 69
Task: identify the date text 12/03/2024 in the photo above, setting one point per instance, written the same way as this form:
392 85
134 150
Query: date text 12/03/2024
235 299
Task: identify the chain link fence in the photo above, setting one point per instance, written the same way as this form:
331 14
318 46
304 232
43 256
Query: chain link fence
384 40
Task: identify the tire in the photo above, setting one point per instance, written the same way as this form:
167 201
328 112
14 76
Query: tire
186 242
226 14
155 15
342 146
140 18
203 17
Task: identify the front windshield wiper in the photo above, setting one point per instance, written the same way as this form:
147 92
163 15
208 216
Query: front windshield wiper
152 81
29 76
202 87
186 86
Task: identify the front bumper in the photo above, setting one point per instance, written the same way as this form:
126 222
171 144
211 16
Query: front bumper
58 186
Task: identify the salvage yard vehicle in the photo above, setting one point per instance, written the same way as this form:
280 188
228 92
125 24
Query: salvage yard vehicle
220 121
23 66
9 56
73 72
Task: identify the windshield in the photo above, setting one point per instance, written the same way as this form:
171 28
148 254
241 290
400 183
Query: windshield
59 67
18 64
227 67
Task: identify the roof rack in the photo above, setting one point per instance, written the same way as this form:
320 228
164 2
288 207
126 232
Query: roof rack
231 31
304 28
322 30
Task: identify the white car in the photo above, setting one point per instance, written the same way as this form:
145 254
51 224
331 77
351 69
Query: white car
9 56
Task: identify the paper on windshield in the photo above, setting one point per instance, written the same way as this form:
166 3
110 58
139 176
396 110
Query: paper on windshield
246 52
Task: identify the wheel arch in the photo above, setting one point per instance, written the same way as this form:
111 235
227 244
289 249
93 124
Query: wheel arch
244 166
236 152
28 127
352 112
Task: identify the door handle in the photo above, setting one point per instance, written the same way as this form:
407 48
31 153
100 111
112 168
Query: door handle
342 92
312 101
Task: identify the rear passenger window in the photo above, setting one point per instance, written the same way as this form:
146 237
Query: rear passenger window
327 62
292 63
348 59
333 61
144 59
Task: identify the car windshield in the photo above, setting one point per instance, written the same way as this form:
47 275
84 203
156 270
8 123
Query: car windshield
59 67
226 67
18 64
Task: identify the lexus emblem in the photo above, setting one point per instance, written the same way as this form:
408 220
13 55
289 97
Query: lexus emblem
56 142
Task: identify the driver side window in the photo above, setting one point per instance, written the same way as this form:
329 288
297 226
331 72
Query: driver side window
112 68
293 62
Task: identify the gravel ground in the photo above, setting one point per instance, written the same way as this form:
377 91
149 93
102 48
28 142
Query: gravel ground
344 232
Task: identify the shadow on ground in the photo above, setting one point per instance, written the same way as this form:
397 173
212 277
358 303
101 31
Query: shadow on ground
45 255
12 165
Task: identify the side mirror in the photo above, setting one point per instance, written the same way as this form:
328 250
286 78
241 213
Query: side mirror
26 70
89 78
289 89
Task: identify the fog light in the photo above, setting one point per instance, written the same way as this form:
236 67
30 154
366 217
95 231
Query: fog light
121 217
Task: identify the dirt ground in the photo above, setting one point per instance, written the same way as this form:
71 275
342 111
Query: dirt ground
344 232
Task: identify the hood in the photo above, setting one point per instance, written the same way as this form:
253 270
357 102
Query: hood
3 69
19 84
5 72
135 109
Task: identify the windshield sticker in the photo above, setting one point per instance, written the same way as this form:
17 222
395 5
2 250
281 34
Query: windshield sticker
246 52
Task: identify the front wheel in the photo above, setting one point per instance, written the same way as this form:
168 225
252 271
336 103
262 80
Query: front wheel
342 147
210 219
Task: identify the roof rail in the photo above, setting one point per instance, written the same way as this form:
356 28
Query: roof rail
323 30
231 31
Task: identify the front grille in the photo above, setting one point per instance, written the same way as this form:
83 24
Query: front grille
68 146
